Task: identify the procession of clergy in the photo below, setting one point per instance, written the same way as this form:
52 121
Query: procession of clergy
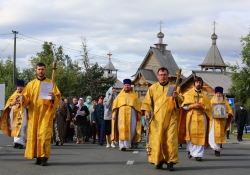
172 118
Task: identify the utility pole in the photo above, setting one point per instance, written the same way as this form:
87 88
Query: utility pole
14 61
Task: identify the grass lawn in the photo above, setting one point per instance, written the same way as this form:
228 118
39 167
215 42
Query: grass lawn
235 135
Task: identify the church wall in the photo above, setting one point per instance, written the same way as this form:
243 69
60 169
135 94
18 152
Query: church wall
143 85
151 63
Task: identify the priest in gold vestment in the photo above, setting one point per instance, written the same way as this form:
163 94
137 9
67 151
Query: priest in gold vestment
162 127
196 121
41 113
219 126
126 115
14 117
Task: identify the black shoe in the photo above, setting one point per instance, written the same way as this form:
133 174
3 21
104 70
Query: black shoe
170 166
57 143
44 161
198 159
101 144
16 145
159 166
221 146
189 155
123 149
180 146
38 161
217 153
20 146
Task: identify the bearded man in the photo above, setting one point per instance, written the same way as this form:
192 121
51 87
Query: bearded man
219 126
199 113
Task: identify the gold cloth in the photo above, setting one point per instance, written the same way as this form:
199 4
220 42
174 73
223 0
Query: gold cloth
162 130
17 117
194 124
124 102
41 113
222 124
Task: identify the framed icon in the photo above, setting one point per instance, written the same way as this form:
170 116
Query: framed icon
219 110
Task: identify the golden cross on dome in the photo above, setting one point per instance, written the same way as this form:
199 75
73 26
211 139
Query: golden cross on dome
109 54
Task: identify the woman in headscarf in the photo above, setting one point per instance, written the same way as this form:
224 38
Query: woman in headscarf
108 101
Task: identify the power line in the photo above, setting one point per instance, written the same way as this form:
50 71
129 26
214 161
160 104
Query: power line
6 34
79 51
75 50
6 46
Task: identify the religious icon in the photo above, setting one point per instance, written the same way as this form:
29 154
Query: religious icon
17 99
219 110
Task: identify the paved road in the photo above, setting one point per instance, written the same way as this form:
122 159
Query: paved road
94 159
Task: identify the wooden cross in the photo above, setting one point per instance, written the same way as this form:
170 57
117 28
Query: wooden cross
53 72
109 54
160 25
198 97
214 23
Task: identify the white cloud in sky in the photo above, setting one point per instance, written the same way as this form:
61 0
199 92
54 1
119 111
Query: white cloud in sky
127 29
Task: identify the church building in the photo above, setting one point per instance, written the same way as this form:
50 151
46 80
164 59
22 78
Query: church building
213 72
156 57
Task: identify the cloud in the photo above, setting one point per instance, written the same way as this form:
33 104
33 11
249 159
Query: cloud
127 29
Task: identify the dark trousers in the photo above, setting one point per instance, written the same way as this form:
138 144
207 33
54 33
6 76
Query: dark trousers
88 131
70 132
94 131
100 129
240 131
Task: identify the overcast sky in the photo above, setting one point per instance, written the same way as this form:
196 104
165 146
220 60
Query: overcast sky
126 28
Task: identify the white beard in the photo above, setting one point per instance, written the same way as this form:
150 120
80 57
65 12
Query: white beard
218 99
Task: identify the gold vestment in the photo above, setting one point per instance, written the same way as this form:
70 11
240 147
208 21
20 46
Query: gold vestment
41 113
221 124
17 119
194 124
123 102
163 138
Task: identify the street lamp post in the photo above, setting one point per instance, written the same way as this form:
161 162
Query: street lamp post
14 61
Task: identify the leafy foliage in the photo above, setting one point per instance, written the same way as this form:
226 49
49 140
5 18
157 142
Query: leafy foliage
241 78
71 79
6 77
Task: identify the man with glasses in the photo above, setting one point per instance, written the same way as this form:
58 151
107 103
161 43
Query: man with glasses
162 128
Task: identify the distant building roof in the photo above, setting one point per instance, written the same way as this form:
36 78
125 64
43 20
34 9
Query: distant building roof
213 59
148 75
213 79
110 66
118 84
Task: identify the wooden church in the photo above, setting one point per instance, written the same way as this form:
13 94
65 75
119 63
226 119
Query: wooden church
213 72
156 57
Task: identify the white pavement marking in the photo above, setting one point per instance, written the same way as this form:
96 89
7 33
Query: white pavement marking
9 145
130 162
142 141
135 151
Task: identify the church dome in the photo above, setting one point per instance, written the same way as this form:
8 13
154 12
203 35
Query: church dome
214 36
160 35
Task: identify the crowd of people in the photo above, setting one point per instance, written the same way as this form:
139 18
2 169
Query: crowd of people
169 118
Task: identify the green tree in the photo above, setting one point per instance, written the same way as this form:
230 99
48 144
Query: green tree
6 76
240 88
67 70
93 82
